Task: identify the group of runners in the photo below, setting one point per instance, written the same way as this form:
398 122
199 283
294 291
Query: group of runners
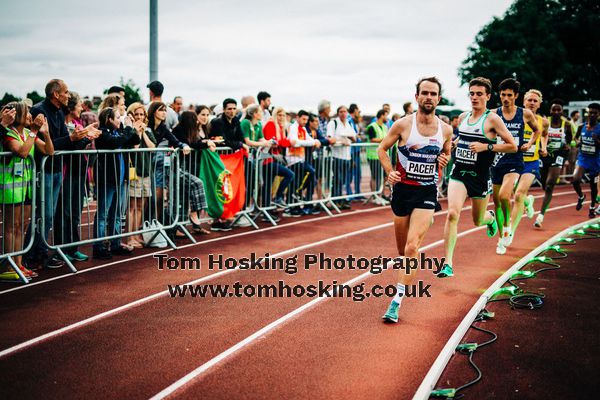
496 151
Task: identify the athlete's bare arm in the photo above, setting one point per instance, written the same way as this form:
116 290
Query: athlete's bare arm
495 124
461 117
444 156
398 133
568 135
531 120
544 140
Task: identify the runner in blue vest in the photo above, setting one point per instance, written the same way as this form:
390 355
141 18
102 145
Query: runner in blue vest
588 159
509 166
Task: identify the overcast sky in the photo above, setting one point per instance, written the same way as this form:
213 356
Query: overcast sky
367 52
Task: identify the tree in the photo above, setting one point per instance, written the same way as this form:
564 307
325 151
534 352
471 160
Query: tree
35 97
549 45
132 92
8 98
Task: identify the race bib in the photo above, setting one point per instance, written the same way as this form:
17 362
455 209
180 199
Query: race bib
531 151
559 161
588 149
419 168
466 154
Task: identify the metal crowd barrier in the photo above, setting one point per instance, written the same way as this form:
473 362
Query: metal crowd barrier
144 187
17 194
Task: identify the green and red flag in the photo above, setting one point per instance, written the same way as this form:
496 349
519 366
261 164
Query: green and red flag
224 182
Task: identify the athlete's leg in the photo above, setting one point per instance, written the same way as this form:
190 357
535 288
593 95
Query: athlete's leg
457 194
525 182
577 175
594 193
504 194
497 205
481 216
401 225
553 174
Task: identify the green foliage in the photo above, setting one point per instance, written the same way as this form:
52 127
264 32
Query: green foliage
132 92
549 45
8 98
35 97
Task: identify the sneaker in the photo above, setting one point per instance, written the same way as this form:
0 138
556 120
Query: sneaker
529 207
242 223
580 202
446 272
279 202
316 211
391 315
10 276
592 213
79 256
492 228
121 251
54 263
220 226
538 221
344 205
101 254
501 247
273 216
294 212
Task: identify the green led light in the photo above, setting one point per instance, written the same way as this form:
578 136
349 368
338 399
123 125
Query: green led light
523 273
553 247
568 240
506 290
595 226
541 258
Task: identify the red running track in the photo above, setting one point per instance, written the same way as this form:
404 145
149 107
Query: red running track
335 348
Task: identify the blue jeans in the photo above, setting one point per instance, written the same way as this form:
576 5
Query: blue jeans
52 184
340 169
354 172
107 221
270 171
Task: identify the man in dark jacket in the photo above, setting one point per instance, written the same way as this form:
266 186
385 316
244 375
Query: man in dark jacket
228 126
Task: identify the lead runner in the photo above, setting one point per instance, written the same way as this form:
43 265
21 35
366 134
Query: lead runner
424 141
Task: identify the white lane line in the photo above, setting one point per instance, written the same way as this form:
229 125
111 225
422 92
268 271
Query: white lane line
235 235
268 328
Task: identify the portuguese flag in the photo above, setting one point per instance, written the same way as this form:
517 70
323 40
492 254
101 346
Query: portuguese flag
224 182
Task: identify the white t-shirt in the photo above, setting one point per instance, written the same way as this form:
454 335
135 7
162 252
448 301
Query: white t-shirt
341 131
307 142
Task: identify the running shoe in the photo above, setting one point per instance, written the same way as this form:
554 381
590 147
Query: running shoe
391 315
446 272
10 276
580 202
529 207
538 221
492 228
508 240
501 247
592 213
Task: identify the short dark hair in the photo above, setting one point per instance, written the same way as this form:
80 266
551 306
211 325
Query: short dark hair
302 113
156 87
106 114
262 96
560 102
115 89
381 113
453 117
53 86
340 107
405 106
594 106
353 107
432 79
481 81
228 100
574 112
510 84
312 117
177 97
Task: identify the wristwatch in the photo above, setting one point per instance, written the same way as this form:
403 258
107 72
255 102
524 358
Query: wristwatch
490 147
32 134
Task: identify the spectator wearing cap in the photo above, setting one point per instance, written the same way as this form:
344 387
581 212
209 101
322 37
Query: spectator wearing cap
57 97
264 101
156 90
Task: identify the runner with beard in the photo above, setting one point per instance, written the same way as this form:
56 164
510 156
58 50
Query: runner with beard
424 142
470 177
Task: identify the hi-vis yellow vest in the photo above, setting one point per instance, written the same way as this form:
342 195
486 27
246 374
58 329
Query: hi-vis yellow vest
533 154
380 132
16 174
